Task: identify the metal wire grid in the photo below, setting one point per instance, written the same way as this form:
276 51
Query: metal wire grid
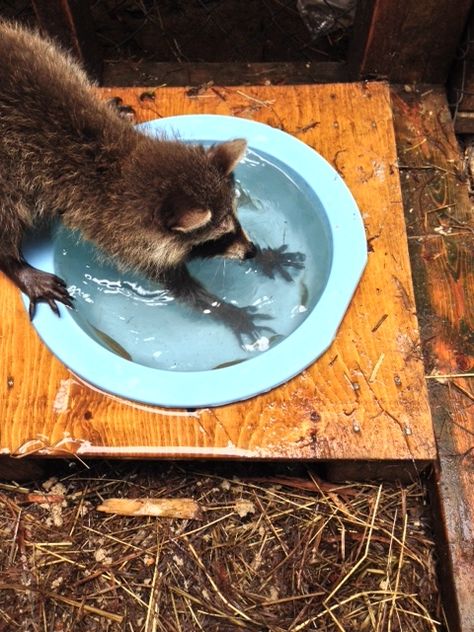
210 30
201 30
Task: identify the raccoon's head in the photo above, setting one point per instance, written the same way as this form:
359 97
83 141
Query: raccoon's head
200 208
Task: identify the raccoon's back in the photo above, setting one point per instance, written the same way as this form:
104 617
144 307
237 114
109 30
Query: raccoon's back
51 122
41 86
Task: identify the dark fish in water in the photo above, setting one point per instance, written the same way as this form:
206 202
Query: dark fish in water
224 365
274 340
304 294
111 344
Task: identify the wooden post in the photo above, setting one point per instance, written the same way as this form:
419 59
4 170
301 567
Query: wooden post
461 83
406 41
70 23
439 223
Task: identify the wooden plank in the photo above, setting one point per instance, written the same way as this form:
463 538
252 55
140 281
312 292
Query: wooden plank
21 469
70 23
464 122
461 83
406 40
152 73
336 409
441 236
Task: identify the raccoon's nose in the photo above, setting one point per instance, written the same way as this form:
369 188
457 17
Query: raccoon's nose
251 251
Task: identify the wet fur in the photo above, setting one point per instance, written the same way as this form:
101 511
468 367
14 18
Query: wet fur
64 152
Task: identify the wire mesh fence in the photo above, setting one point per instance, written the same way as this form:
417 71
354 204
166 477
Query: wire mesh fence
202 30
210 30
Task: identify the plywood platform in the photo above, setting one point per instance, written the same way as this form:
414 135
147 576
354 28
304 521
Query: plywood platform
364 399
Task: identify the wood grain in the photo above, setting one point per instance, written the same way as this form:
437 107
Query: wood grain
365 398
440 219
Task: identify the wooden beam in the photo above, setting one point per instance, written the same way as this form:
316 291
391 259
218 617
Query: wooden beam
403 471
461 83
143 73
439 218
464 123
70 23
406 41
12 469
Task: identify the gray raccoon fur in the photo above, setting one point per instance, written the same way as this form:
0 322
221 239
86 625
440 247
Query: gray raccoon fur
147 203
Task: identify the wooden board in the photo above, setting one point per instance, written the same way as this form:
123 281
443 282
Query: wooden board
440 219
406 40
364 399
155 73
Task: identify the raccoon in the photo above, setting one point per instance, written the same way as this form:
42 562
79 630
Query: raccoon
149 204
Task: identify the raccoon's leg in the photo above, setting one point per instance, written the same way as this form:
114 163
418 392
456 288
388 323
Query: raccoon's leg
241 320
36 284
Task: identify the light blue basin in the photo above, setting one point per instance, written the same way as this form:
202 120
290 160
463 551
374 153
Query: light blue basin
197 362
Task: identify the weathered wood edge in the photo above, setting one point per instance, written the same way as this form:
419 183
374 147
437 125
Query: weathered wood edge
432 177
464 122
145 73
336 470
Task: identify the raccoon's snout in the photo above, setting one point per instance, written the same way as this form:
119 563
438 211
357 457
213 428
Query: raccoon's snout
240 248
251 251
234 245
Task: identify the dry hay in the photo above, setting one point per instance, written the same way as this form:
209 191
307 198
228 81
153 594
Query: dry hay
270 553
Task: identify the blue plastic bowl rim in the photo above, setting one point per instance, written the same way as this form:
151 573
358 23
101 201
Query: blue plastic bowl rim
113 374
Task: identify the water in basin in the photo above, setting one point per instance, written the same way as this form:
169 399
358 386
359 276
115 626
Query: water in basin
139 320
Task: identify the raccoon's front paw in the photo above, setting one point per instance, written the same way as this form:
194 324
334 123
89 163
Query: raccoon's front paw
277 261
242 321
41 286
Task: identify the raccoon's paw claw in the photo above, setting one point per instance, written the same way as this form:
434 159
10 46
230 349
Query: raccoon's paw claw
277 261
44 287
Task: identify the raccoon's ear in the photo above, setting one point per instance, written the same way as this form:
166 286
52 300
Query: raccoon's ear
226 156
189 219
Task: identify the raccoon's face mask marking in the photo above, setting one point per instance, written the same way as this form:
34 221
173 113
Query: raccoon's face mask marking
232 245
207 221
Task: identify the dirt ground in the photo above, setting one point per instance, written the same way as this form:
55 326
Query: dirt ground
272 548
